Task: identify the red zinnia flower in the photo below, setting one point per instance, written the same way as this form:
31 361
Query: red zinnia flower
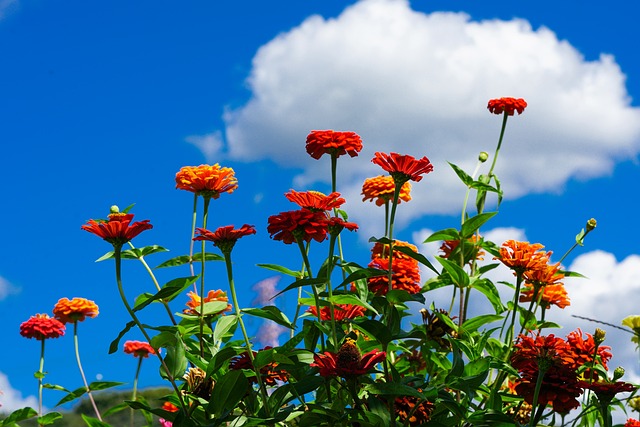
347 362
194 302
138 348
42 327
315 200
169 407
507 105
335 225
607 391
74 310
336 144
381 189
583 352
225 237
403 167
406 275
632 423
269 373
118 230
302 224
340 312
206 180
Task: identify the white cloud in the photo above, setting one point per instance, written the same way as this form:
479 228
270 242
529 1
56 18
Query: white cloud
11 399
210 144
419 83
7 6
6 288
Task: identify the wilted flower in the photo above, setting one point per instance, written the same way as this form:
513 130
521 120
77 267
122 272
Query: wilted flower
417 412
74 310
403 168
206 180
138 349
118 230
42 327
381 188
449 246
198 383
507 105
334 143
348 361
270 374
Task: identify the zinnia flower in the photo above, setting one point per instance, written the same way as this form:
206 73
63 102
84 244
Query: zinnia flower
336 144
42 327
270 374
381 250
507 105
632 423
206 180
607 391
416 412
138 348
449 246
225 237
194 302
381 188
406 275
198 383
169 407
302 224
547 295
74 310
347 362
584 350
522 256
118 230
340 312
403 168
315 200
335 225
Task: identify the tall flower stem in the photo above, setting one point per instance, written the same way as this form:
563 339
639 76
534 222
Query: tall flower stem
316 297
40 377
205 215
194 217
334 168
84 378
332 242
495 156
236 305
467 194
394 205
509 336
298 305
135 387
533 420
132 314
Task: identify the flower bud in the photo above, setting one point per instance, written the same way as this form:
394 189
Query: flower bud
635 403
114 209
618 373
591 224
598 336
483 156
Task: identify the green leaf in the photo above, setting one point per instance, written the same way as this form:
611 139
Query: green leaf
167 293
572 274
219 359
80 391
115 343
94 422
19 415
471 225
489 290
175 360
352 300
418 257
281 269
464 177
184 259
49 418
446 234
375 329
457 274
300 283
39 374
223 326
270 312
56 387
137 253
229 390
73 395
103 385
364 273
393 389
580 237
472 325
115 409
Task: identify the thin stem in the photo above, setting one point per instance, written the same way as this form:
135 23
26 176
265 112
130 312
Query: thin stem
575 245
202 264
332 242
135 387
40 377
509 336
334 168
466 196
84 379
394 205
536 393
193 234
495 156
298 305
316 297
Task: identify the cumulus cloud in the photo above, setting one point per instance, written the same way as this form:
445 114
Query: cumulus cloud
11 399
266 290
419 83
210 144
6 288
269 333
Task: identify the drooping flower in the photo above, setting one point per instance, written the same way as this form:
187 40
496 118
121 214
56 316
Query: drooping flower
302 224
42 327
507 105
334 143
206 180
225 237
403 168
381 188
381 250
335 225
74 310
270 374
416 412
118 229
437 329
406 275
212 296
138 349
315 200
348 361
340 312
522 256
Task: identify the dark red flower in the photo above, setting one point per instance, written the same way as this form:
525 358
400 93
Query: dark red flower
42 327
403 167
270 373
335 225
315 200
118 230
347 362
583 352
415 411
406 275
340 312
302 224
336 144
138 348
225 237
607 391
507 105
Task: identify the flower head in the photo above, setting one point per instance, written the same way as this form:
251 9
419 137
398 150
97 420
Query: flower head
548 295
138 348
42 327
212 296
315 200
118 229
523 256
381 250
335 225
417 412
207 181
507 105
74 310
584 349
449 247
406 275
198 383
633 322
632 423
341 312
381 188
348 361
334 143
403 168
302 224
270 373
606 391
169 407
225 237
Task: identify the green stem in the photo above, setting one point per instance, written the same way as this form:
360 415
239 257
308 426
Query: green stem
466 196
332 242
40 377
386 217
84 378
193 234
509 336
536 393
575 245
202 264
495 156
135 387
263 390
394 205
316 297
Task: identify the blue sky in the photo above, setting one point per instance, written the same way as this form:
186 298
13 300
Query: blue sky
102 104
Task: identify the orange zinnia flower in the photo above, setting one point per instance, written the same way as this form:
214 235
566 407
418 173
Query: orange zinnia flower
194 302
42 327
507 105
381 190
522 256
632 423
302 224
550 295
380 250
449 246
336 144
225 237
206 180
315 200
169 407
139 349
118 230
340 311
270 373
348 362
406 275
584 350
403 168
417 412
74 310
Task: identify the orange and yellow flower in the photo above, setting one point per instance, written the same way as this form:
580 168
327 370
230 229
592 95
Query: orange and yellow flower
336 144
194 302
550 295
138 348
523 256
207 180
42 327
412 411
507 105
406 275
403 168
315 200
449 246
118 229
74 310
380 189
